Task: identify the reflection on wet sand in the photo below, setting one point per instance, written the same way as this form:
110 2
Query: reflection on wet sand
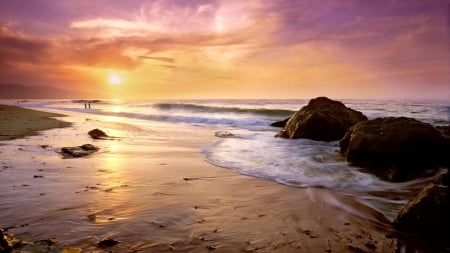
135 191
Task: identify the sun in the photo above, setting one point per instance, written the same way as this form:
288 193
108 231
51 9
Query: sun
115 79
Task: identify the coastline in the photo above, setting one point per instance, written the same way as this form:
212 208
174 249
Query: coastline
17 122
152 191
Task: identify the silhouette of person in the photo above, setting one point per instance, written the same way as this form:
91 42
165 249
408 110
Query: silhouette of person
85 106
89 104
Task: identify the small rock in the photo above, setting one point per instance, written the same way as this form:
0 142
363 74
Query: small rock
108 242
79 151
98 134
92 217
49 242
370 246
8 242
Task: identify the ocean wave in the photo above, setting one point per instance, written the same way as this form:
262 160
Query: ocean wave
218 109
93 101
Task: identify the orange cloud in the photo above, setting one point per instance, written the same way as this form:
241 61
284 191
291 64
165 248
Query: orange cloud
234 48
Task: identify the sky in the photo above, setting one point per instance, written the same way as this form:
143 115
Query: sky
229 48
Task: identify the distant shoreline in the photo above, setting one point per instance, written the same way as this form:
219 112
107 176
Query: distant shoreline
17 122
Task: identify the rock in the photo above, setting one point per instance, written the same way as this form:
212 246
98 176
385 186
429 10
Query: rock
443 179
89 147
98 134
401 148
9 243
108 242
48 242
79 151
445 130
426 214
322 119
281 123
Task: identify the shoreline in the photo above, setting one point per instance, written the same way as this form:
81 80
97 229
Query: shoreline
153 192
17 122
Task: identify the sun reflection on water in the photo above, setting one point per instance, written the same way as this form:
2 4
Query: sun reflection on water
116 108
112 164
112 194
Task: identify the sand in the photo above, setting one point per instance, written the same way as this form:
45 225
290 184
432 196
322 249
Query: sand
152 191
16 122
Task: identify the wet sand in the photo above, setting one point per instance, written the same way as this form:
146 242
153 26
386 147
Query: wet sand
17 122
152 191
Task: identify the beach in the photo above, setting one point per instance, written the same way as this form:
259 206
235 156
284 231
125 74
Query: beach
16 122
152 191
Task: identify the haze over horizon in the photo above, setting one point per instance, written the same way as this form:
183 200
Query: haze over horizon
229 48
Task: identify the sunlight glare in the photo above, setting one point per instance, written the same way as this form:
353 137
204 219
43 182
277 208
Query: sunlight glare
116 108
115 79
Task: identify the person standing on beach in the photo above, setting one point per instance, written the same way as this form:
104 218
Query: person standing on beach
89 104
85 106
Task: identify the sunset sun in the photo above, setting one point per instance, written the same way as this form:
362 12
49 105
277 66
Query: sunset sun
115 79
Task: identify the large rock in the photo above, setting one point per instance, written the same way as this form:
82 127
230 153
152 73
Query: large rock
445 130
322 119
281 123
400 147
427 213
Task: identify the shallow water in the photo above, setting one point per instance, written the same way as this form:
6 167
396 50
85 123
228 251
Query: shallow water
244 144
123 191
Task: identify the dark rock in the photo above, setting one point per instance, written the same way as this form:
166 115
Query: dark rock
426 215
48 242
398 147
445 130
281 123
79 151
443 179
89 147
9 243
322 119
108 242
98 134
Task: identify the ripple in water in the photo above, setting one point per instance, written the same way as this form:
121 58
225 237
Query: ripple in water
307 163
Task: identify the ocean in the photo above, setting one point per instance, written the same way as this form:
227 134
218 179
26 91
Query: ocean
246 144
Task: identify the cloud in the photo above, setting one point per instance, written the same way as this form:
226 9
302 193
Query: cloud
167 17
166 66
158 58
15 47
301 43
